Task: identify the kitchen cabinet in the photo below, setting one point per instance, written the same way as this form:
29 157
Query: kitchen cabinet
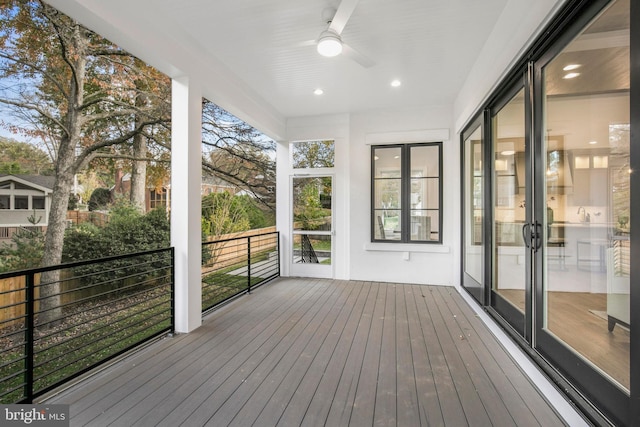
590 187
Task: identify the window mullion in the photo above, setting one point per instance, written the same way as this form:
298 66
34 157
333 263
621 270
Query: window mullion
406 193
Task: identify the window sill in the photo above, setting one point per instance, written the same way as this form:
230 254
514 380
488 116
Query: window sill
406 247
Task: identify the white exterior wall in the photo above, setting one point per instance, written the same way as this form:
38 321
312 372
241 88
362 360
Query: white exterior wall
406 263
336 128
356 258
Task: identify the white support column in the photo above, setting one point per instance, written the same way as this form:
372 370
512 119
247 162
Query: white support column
186 177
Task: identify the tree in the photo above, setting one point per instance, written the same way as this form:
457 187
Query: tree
222 214
76 91
313 154
22 158
238 153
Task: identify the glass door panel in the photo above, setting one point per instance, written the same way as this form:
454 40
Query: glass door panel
510 255
312 226
584 182
474 215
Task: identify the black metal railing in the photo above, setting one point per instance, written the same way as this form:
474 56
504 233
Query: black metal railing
308 253
234 266
56 323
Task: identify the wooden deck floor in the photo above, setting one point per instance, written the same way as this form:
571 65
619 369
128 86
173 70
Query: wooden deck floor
320 352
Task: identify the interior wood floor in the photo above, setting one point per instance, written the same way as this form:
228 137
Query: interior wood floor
320 352
574 318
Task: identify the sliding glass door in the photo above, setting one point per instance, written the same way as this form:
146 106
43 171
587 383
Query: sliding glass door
511 249
474 255
583 190
547 198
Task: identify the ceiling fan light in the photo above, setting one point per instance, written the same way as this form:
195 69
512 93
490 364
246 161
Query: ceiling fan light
329 44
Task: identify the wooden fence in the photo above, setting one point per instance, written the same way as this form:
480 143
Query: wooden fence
233 248
97 218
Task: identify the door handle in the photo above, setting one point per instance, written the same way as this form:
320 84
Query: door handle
538 236
526 235
532 236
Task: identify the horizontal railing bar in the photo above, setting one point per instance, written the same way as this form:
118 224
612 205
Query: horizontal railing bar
139 286
18 387
104 283
106 293
96 329
114 291
238 238
17 345
15 319
94 365
106 346
14 361
116 268
79 263
12 291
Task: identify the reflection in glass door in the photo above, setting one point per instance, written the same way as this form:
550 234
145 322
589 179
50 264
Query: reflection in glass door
510 254
583 317
312 226
474 215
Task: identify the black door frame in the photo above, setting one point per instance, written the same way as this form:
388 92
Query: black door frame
599 399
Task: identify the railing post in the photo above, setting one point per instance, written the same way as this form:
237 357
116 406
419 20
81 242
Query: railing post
278 250
249 264
29 333
172 254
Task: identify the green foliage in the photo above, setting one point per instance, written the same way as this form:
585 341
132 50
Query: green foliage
19 158
312 203
100 199
126 232
223 213
25 250
256 215
73 202
313 154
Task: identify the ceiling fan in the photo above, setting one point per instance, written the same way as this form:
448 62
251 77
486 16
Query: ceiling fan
330 42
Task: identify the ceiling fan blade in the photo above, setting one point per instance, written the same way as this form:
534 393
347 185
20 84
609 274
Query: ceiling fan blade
358 57
342 15
307 43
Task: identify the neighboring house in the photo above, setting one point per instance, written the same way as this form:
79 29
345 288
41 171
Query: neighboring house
22 196
212 184
161 197
154 197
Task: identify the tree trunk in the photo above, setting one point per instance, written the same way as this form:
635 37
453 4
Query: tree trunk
50 309
139 173
66 167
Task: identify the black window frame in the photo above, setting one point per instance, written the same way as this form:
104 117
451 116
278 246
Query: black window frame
405 206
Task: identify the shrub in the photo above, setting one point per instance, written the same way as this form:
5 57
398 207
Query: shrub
100 199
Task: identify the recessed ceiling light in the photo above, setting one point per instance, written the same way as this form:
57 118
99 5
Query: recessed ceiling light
593 142
318 91
571 75
571 67
396 83
508 153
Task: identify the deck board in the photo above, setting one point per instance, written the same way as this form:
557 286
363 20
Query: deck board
320 352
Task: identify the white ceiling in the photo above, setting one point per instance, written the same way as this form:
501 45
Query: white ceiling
429 45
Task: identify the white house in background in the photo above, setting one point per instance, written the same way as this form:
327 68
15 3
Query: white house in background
23 196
